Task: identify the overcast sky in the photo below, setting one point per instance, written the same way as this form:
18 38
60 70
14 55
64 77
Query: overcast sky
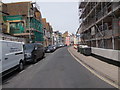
63 16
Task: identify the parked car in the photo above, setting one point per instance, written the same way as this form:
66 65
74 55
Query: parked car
50 48
45 48
33 52
12 56
61 45
55 47
65 45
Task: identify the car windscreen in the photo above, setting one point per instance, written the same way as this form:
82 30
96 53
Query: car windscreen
28 47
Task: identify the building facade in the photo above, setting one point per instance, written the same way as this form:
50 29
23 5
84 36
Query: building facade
99 27
64 35
48 30
3 12
49 33
45 32
57 38
24 20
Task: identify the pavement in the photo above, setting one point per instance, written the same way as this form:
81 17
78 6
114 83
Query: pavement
58 70
110 73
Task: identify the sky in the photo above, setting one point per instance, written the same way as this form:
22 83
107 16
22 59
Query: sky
62 16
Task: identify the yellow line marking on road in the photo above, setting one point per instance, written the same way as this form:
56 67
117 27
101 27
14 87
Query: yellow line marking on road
92 71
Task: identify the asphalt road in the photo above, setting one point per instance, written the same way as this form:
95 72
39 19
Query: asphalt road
57 70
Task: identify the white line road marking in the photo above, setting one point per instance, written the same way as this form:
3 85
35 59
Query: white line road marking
92 71
26 68
37 62
22 71
30 66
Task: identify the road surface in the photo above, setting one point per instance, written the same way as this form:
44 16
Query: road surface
57 70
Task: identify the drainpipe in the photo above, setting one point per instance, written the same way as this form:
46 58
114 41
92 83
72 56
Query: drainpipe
29 23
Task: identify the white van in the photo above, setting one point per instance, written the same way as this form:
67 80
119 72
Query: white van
11 55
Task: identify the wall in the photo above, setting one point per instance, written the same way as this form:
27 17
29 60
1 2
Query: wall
107 53
20 8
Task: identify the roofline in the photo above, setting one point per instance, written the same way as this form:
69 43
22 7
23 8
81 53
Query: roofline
19 2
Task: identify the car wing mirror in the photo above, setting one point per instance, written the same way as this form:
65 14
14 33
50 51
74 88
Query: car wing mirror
36 48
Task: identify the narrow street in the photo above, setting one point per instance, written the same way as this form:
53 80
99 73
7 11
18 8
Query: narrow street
57 70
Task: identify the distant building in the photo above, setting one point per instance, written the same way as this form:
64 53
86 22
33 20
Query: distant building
72 37
57 38
64 35
67 41
45 31
49 33
48 30
68 38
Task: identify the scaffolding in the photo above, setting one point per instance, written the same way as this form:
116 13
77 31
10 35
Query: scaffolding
34 23
100 24
25 23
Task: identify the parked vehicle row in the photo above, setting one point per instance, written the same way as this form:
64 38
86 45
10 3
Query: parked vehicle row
14 55
52 48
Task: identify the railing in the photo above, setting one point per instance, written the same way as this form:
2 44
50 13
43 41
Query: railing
104 11
98 35
4 28
87 36
108 33
100 15
92 21
93 36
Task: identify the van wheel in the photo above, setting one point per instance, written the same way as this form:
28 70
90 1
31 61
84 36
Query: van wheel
21 66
